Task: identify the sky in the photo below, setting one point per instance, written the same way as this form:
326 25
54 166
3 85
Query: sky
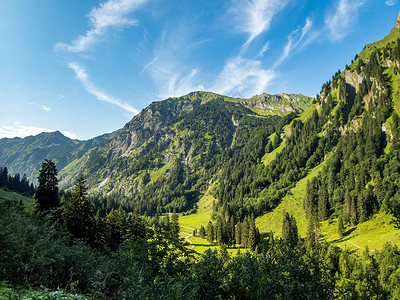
86 68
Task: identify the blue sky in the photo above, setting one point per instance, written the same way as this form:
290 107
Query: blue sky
87 67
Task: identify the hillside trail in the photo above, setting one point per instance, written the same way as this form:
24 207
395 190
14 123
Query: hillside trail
187 238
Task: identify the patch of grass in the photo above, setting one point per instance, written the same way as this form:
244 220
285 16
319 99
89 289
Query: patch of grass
201 217
155 175
374 233
202 245
13 197
307 113
291 203
269 157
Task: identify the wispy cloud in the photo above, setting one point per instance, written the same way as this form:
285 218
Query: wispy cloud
81 74
390 2
244 76
110 14
295 39
170 67
339 21
264 49
45 108
255 16
19 130
171 82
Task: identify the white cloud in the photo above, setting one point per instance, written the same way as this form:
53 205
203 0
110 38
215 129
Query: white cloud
338 23
390 2
19 130
110 14
264 49
45 108
243 76
295 38
170 67
172 83
255 16
100 95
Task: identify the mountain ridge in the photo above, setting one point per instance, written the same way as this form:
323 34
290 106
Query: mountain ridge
130 136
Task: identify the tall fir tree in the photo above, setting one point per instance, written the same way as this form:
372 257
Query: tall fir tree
47 191
289 229
323 204
78 213
210 232
340 228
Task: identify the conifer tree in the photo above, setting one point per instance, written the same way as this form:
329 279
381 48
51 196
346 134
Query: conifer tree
313 233
175 228
47 191
252 242
116 227
289 229
136 227
100 237
78 213
362 208
323 204
340 228
238 233
210 232
202 232
219 231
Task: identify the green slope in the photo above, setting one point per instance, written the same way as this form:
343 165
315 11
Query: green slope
291 203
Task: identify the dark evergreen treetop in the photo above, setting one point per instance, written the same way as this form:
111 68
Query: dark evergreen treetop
47 191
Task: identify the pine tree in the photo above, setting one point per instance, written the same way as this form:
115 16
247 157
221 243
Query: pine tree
136 228
78 213
289 229
340 229
353 212
313 233
3 177
238 233
245 232
47 191
362 208
175 228
347 205
202 232
99 239
252 238
210 232
323 204
231 232
116 227
219 231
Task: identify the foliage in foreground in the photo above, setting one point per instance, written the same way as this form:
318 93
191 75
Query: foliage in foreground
36 252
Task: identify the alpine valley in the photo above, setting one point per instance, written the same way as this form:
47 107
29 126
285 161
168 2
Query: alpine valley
321 173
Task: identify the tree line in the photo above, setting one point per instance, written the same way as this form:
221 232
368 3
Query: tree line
16 183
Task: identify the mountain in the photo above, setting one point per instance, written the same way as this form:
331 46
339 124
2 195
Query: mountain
166 156
25 156
189 131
